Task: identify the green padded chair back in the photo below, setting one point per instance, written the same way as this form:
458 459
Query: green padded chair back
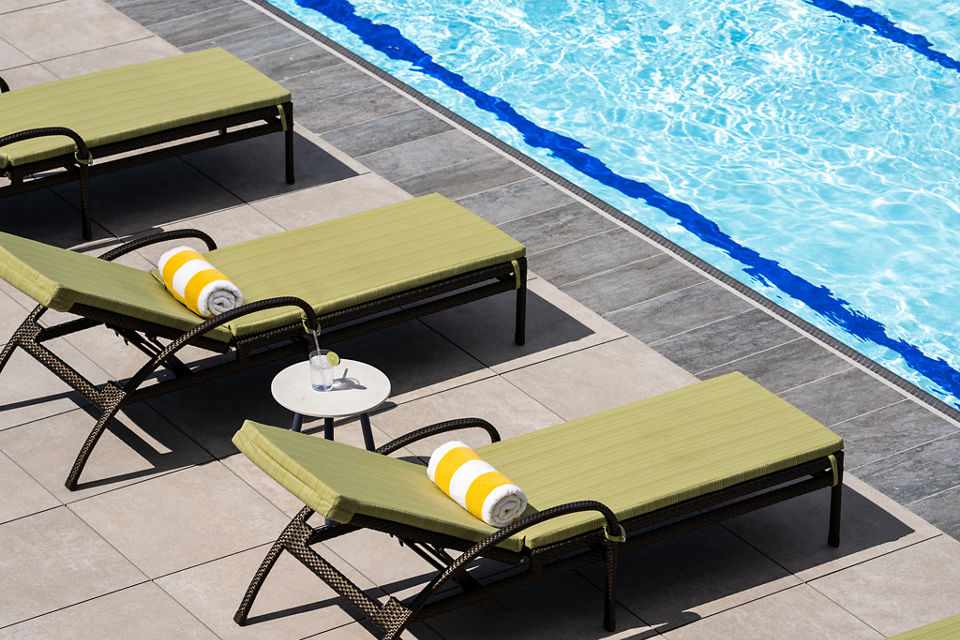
119 104
635 459
58 278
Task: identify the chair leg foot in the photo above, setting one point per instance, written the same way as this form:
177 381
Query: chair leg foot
74 476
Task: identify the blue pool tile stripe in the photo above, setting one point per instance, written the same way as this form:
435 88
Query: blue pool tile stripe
885 28
389 41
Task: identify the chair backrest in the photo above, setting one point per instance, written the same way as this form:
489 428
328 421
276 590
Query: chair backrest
59 279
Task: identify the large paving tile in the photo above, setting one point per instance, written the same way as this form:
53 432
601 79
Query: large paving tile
786 366
211 412
842 396
30 392
902 590
142 611
101 26
253 42
7 6
150 196
799 613
555 324
387 132
138 445
184 30
46 217
678 311
633 283
51 560
794 533
23 496
591 255
556 608
495 400
916 473
316 204
725 341
415 358
182 519
240 167
516 200
941 510
887 431
10 56
294 61
149 12
558 226
693 575
26 76
427 154
293 602
466 178
353 108
360 631
602 377
328 82
142 50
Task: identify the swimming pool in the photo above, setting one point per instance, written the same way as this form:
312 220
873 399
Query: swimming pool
807 148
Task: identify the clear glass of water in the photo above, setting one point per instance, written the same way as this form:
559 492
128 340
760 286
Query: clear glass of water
321 371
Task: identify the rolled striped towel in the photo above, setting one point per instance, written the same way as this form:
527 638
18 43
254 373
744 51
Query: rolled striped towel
475 485
196 283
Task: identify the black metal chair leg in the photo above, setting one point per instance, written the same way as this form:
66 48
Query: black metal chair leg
836 493
85 200
288 141
520 336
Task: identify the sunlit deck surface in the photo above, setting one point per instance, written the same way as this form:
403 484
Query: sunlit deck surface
161 539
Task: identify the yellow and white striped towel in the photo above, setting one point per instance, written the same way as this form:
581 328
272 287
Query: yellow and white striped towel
196 283
475 485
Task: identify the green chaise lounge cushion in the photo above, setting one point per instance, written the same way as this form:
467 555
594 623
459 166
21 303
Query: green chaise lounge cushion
332 265
635 459
946 629
110 106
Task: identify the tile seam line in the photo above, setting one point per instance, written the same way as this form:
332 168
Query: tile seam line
932 495
78 603
873 368
908 450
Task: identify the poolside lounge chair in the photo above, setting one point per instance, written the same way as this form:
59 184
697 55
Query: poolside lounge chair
350 275
78 127
653 469
946 629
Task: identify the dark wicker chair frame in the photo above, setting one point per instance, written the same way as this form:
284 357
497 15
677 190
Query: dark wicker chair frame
79 164
248 351
615 537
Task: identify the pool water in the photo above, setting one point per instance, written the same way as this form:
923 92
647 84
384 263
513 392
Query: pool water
808 148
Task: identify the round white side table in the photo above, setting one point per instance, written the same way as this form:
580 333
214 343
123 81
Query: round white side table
358 388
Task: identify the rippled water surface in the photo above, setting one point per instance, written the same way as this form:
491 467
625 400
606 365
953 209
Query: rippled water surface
823 146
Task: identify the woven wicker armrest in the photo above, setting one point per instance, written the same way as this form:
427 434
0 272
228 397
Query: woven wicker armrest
82 154
154 238
440 427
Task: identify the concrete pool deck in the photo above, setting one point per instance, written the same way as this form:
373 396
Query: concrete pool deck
130 554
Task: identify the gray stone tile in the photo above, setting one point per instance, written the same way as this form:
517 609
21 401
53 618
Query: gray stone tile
559 226
694 574
516 200
917 473
724 341
425 155
352 108
941 510
295 61
125 53
52 560
7 6
633 283
10 56
207 25
23 495
151 12
842 396
27 76
142 611
466 178
590 256
790 365
311 88
388 131
888 431
256 41
678 311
